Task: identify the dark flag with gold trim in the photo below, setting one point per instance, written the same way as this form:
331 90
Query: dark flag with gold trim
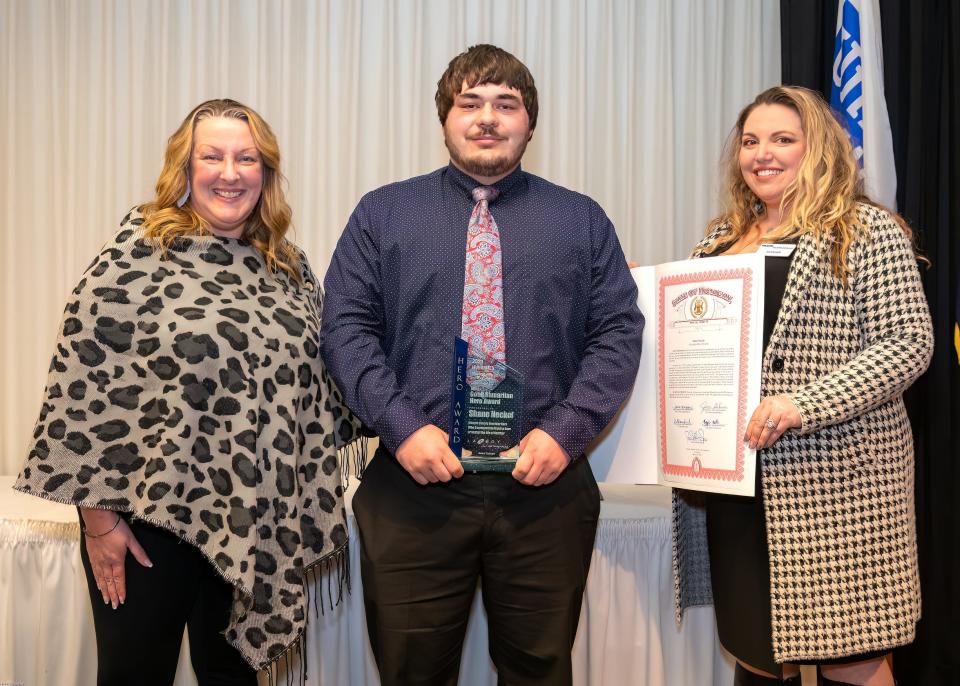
956 320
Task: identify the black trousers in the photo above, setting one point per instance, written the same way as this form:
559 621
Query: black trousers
139 642
424 548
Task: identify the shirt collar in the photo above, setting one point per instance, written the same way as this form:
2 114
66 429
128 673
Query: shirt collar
507 186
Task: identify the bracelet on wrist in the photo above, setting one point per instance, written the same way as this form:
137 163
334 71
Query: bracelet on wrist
86 532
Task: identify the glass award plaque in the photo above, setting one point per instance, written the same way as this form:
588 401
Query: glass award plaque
486 412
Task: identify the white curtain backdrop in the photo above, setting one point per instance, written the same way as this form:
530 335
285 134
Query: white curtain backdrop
636 98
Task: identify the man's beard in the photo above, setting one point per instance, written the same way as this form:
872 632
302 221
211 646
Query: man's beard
487 166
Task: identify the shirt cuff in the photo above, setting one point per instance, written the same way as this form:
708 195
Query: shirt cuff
400 419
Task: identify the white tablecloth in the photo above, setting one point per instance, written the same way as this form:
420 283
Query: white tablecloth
627 631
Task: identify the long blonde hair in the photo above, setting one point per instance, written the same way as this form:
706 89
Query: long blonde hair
269 222
821 200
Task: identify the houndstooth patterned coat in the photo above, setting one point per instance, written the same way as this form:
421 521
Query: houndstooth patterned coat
838 492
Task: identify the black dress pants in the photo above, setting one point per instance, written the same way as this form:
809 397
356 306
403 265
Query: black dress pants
139 642
424 548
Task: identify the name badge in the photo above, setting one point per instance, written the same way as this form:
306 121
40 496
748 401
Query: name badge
777 249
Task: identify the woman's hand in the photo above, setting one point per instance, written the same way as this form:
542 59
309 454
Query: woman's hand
773 416
108 552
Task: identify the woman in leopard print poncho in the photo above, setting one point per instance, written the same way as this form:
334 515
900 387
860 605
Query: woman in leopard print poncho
187 402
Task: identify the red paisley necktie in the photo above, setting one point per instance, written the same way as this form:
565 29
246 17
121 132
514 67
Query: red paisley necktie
482 319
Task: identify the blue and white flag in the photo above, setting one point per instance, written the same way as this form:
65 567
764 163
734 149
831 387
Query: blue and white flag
857 95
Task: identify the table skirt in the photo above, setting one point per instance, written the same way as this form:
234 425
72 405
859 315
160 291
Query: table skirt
627 631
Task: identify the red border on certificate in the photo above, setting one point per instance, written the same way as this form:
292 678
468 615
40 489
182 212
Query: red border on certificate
746 275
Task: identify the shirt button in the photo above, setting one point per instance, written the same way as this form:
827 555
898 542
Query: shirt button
778 364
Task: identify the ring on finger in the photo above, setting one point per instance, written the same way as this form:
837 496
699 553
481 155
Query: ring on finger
770 424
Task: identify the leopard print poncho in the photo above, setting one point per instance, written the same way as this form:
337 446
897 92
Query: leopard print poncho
188 390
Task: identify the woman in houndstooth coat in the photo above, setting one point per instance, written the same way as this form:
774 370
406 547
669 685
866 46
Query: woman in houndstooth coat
821 566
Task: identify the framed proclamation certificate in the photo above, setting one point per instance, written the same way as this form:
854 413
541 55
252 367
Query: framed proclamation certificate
698 382
709 350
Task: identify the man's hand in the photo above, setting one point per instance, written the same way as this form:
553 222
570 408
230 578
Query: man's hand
541 461
426 455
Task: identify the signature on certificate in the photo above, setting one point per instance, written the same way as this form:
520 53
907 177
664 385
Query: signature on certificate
695 436
713 408
677 421
682 408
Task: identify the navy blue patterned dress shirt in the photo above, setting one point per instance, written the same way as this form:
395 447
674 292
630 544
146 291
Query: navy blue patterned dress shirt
394 293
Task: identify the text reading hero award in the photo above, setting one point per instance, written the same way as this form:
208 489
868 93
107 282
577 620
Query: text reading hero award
486 411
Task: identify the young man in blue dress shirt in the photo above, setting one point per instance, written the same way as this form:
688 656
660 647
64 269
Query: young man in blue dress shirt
394 299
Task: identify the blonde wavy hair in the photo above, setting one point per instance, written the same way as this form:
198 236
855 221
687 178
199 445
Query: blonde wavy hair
269 222
821 200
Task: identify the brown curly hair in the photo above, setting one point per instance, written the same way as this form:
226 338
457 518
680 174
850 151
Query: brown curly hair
482 64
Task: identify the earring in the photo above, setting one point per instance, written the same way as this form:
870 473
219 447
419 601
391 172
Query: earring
186 196
758 207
